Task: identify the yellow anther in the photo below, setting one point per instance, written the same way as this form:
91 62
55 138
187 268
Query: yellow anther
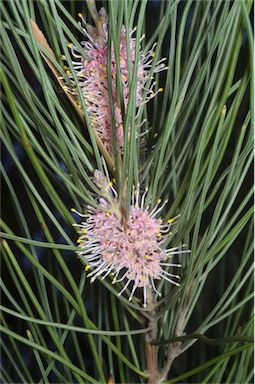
159 201
69 45
78 241
110 184
100 65
155 134
73 210
107 214
86 268
68 71
160 89
84 231
152 53
29 334
224 110
159 234
171 220
146 256
80 14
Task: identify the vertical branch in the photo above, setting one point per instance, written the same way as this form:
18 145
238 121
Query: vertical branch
151 358
150 349
174 349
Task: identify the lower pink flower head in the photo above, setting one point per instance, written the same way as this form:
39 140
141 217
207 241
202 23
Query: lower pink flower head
131 251
91 69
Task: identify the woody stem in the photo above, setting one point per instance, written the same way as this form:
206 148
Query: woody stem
150 349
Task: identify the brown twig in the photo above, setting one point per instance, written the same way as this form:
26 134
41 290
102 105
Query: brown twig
151 358
150 349
174 349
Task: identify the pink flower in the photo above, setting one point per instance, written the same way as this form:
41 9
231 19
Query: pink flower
91 69
131 250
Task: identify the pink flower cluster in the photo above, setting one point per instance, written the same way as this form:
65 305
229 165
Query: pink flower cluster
91 69
132 250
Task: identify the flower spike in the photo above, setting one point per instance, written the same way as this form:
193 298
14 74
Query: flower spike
91 70
132 252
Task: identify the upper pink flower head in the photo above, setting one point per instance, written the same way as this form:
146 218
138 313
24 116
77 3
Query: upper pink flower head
91 68
131 250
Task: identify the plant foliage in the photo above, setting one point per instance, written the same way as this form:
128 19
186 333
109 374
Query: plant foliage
55 325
